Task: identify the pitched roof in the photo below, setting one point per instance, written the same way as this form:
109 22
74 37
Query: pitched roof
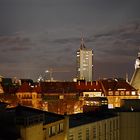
25 87
95 85
114 85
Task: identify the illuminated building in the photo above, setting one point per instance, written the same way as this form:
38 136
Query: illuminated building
117 89
29 96
1 89
129 115
93 126
25 123
84 63
135 81
32 124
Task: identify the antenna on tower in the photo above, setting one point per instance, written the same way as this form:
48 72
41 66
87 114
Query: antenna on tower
126 78
82 42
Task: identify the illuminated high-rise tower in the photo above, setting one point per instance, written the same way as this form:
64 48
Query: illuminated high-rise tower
84 63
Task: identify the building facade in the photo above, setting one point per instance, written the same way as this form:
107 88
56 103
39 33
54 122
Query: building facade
84 63
135 81
117 89
100 127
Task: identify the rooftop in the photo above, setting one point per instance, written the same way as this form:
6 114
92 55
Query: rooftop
85 118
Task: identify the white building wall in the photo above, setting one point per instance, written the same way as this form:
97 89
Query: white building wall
84 58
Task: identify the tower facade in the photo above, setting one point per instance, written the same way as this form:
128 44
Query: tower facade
137 63
84 63
135 81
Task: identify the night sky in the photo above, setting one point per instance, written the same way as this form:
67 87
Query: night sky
36 35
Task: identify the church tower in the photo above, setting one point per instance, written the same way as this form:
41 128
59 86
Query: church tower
135 81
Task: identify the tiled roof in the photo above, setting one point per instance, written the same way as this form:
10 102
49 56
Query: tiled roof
69 87
95 85
114 85
25 87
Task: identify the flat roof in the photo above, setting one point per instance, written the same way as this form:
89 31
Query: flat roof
86 118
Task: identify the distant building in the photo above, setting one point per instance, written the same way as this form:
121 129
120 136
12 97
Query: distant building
1 89
84 63
29 96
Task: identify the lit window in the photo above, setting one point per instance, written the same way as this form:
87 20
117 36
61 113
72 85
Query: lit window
86 95
127 93
61 127
87 103
110 93
133 93
122 93
50 131
53 130
116 93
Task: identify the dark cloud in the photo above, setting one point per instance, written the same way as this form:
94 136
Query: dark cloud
123 41
15 43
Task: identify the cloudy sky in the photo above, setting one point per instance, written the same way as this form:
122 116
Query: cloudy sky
36 35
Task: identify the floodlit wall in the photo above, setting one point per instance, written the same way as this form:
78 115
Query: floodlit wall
107 129
129 125
32 132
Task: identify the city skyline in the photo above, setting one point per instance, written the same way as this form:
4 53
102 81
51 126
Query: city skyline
36 35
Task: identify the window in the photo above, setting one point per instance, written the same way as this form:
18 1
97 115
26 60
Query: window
80 134
133 93
117 93
122 93
58 128
53 130
50 131
87 133
61 125
127 93
94 132
110 93
71 136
